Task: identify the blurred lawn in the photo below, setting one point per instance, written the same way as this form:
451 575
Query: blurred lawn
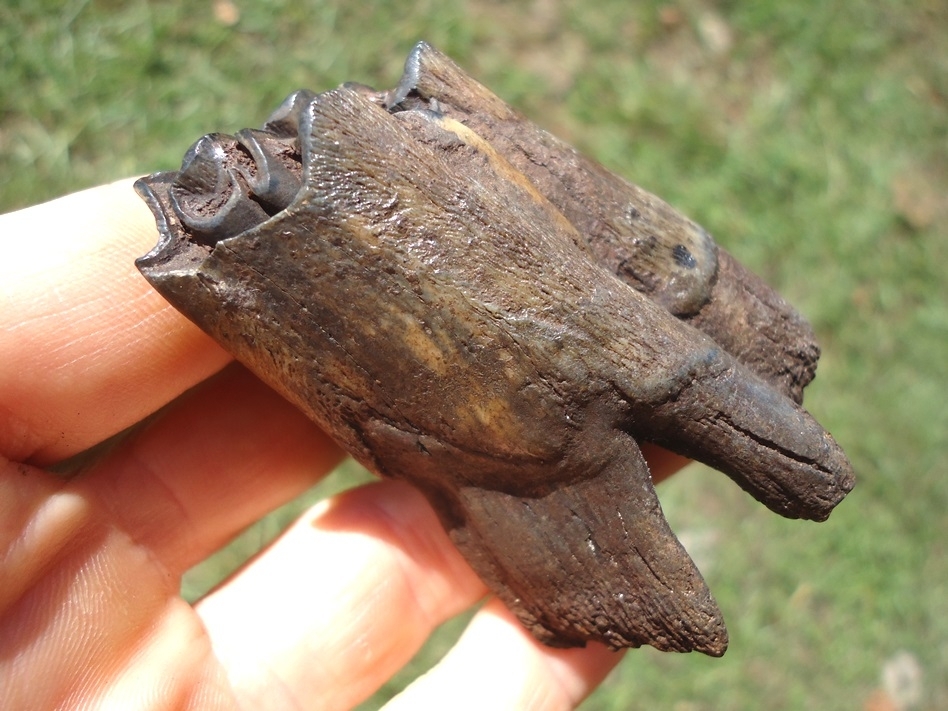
811 138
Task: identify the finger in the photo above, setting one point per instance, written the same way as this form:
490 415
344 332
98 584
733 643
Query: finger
662 463
29 538
340 602
219 458
86 345
523 674
91 567
594 559
83 608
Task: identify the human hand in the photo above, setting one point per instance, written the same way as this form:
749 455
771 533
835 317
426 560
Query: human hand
90 566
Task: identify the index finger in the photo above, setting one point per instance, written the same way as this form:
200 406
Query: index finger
87 347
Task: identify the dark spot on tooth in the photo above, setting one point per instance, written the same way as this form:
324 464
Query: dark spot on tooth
684 258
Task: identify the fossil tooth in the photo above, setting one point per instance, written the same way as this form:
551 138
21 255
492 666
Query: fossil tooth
440 310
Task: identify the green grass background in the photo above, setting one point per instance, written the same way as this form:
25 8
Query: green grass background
810 137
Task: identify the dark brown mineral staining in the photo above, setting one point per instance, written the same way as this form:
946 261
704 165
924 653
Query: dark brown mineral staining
467 303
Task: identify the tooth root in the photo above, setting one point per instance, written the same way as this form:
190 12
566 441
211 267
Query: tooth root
732 420
754 323
594 560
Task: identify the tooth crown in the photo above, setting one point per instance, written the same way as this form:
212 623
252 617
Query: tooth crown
464 302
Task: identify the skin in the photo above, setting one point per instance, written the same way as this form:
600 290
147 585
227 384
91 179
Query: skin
90 565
